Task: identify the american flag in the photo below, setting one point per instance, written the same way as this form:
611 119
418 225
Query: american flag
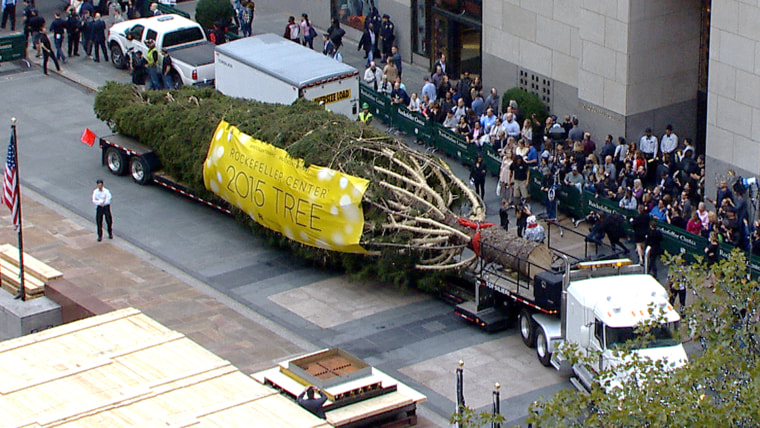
10 187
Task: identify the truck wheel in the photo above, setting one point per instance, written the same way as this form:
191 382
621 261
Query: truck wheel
542 348
527 328
116 161
117 56
140 170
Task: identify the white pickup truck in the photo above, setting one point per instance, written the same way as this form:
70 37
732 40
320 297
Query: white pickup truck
192 55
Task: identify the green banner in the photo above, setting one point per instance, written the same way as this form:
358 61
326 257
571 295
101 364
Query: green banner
12 47
412 123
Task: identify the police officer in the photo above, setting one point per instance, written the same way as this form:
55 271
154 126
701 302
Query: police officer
387 36
365 116
74 29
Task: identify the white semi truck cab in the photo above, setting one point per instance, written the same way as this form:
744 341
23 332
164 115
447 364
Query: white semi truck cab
603 303
595 305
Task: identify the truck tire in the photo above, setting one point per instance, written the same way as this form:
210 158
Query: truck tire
542 348
527 328
117 56
116 161
139 170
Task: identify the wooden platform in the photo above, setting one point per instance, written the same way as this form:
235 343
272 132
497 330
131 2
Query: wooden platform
36 273
123 369
388 402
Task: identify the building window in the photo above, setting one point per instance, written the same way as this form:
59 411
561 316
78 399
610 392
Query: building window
536 84
353 12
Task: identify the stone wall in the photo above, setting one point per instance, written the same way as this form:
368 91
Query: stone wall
733 100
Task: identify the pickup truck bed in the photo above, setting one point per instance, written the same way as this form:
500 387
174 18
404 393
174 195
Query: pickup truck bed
194 55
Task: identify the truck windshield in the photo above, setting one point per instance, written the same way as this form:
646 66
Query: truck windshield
182 36
663 336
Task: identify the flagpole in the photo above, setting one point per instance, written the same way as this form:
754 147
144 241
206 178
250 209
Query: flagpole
22 288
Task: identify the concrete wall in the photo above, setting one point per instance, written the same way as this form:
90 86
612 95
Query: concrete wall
620 66
733 100
540 35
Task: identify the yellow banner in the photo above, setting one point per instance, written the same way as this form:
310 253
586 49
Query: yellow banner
316 206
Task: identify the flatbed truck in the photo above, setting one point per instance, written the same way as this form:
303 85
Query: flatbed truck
124 155
596 305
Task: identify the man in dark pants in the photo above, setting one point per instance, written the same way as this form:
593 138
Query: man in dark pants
387 36
99 38
73 28
307 400
58 28
43 44
101 197
654 242
9 11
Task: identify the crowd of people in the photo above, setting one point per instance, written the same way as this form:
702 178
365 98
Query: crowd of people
661 175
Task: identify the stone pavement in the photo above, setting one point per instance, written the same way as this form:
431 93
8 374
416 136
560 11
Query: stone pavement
122 276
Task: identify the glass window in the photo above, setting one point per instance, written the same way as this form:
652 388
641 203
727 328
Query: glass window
151 35
664 335
185 35
353 12
136 32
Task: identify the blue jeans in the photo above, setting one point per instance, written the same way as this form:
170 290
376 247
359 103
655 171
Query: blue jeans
58 40
155 81
168 82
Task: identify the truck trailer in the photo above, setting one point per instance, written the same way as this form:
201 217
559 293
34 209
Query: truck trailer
595 305
272 69
123 155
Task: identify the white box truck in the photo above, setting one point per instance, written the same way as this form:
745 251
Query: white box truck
272 69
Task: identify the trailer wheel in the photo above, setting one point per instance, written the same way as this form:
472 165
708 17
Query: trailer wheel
116 161
527 328
140 170
542 348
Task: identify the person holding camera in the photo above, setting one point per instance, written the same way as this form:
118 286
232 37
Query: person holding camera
309 401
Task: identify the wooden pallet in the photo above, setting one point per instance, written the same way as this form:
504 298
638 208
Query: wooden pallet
36 273
34 266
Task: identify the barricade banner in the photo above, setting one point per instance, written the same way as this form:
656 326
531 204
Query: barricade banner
315 206
492 159
12 47
379 104
453 145
414 124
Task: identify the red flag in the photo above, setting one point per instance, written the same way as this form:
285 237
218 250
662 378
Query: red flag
10 184
88 137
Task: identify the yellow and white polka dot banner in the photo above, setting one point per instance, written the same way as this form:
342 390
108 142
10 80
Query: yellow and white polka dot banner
316 206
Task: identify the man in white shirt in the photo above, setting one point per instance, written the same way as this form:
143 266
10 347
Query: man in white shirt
648 144
373 76
669 141
512 127
101 198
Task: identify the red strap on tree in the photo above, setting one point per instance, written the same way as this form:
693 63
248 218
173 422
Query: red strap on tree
475 241
474 225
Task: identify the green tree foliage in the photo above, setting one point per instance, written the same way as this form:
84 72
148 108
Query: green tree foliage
208 12
527 103
720 386
179 126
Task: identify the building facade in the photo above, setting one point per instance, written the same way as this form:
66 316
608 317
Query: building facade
620 66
